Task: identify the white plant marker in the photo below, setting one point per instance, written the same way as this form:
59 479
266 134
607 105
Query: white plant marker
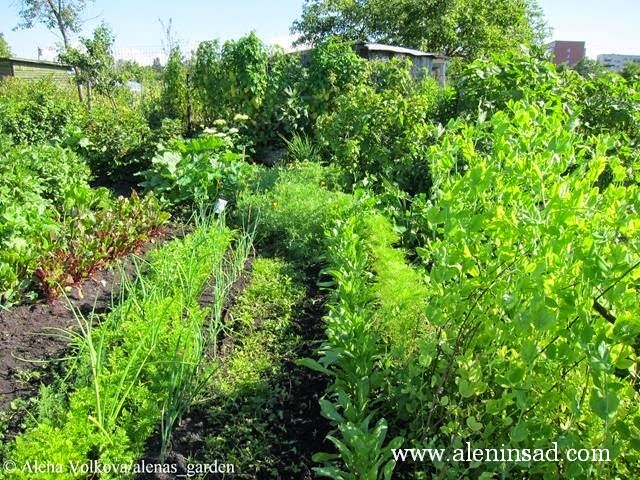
220 206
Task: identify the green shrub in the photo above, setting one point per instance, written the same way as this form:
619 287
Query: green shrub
292 208
38 111
333 69
198 171
283 112
377 136
231 80
116 142
486 86
611 104
175 91
528 334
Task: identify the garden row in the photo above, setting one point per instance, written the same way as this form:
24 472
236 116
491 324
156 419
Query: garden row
480 245
136 370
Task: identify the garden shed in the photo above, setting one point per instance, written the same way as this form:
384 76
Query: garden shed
423 62
33 69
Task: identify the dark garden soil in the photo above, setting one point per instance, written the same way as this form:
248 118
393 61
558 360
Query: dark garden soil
31 344
301 430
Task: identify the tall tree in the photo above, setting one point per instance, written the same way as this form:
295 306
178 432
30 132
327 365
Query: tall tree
458 28
94 63
5 50
62 16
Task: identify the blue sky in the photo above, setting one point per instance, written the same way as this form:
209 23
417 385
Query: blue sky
609 26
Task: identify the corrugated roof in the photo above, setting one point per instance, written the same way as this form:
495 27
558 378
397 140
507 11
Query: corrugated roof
36 62
379 47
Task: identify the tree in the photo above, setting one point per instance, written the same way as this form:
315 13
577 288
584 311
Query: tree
175 95
631 71
94 64
458 28
5 50
60 15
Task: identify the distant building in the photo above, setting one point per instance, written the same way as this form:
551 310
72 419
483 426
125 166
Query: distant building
567 53
33 69
422 62
617 62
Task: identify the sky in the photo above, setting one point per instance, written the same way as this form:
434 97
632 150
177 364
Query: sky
609 26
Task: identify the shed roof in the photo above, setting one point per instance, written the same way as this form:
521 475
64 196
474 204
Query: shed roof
380 47
37 62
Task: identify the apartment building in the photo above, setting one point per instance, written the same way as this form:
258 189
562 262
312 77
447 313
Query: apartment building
568 53
617 62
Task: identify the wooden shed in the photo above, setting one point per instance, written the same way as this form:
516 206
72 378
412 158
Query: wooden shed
423 63
34 69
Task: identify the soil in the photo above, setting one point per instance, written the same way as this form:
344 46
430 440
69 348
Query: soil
32 342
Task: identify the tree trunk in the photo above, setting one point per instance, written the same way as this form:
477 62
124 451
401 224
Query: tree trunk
89 96
57 12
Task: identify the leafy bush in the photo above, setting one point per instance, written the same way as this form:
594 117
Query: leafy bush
486 86
198 171
38 111
333 69
611 104
528 335
377 136
231 80
291 208
175 92
116 143
283 112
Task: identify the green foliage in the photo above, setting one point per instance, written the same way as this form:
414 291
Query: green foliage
175 89
528 334
302 149
382 135
631 72
485 86
291 208
206 79
590 68
129 365
231 80
246 406
334 68
131 70
197 172
54 228
37 111
611 104
351 355
284 112
5 49
116 143
462 28
603 101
